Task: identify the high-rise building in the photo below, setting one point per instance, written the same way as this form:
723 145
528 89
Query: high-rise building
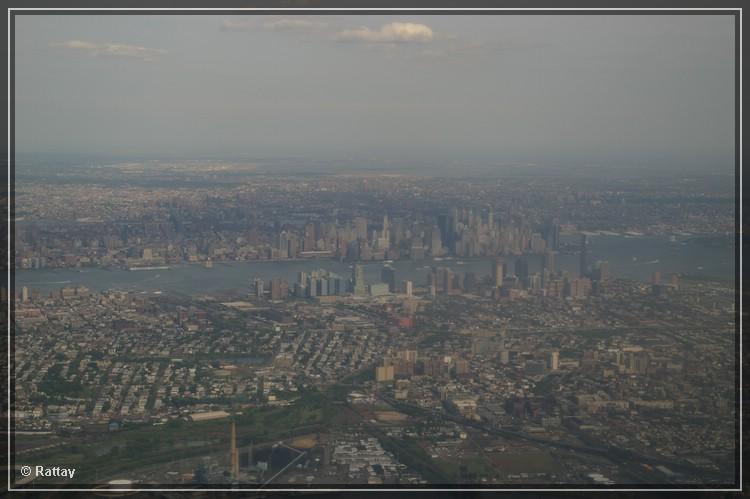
584 256
447 280
279 289
436 243
408 288
444 226
388 276
283 244
24 294
552 236
534 282
554 360
360 225
384 373
498 272
656 277
522 270
335 286
548 262
258 286
537 244
358 280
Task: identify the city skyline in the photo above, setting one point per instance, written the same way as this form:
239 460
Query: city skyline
650 91
330 251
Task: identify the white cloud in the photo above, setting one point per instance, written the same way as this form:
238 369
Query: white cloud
273 24
390 33
112 49
292 24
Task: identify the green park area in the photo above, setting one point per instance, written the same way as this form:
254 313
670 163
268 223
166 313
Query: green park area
105 455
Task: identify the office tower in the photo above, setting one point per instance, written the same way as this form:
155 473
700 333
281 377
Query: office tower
656 277
385 238
551 235
443 225
258 286
436 244
388 276
408 288
295 245
537 244
283 244
279 289
360 226
358 280
601 271
234 461
584 255
534 282
554 361
334 284
498 272
24 294
548 262
308 243
447 280
522 270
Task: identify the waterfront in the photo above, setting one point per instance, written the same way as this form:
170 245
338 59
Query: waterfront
630 257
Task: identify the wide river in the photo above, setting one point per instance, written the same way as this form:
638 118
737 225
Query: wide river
631 257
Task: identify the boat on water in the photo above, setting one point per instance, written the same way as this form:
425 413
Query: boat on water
149 268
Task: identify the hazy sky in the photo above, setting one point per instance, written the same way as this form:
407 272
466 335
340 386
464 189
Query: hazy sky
656 90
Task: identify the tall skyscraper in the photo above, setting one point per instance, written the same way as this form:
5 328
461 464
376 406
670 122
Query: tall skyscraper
522 269
360 224
258 285
548 262
279 289
584 255
498 272
436 243
388 276
552 236
358 280
408 288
